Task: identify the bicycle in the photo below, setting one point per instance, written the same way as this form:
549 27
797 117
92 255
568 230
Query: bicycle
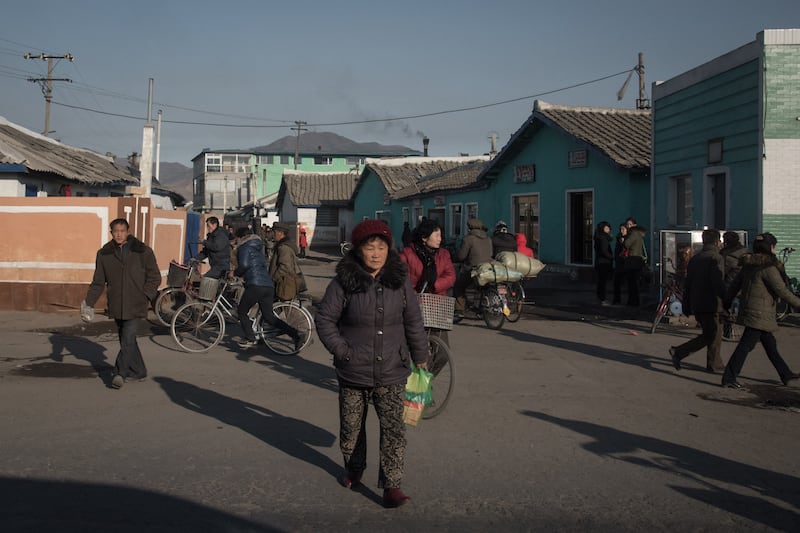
437 317
180 288
198 326
783 309
345 247
671 300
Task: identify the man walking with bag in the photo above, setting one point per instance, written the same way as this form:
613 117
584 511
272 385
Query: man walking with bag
127 268
703 294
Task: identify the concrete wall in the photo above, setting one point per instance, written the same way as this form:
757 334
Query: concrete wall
47 253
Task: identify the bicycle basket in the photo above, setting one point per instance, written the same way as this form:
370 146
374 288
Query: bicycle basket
208 288
176 275
437 310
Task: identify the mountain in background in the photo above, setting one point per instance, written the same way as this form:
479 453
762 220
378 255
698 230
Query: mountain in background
174 176
328 143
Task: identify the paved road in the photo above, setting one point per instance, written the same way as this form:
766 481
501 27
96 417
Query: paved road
563 421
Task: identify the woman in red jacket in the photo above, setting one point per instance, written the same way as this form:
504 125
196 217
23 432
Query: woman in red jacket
429 265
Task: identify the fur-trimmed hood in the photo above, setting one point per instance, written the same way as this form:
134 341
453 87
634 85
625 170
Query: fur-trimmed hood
759 261
353 277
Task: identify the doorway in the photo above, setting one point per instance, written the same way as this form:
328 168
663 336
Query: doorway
526 219
580 222
717 200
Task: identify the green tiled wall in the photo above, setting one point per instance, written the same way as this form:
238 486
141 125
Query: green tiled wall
787 230
782 92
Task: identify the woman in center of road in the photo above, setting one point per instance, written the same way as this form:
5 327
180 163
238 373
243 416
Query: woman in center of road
370 320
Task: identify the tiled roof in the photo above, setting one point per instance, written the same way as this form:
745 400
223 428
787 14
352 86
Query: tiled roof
400 173
42 154
461 177
622 135
310 189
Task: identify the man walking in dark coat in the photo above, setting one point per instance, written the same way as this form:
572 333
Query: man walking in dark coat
127 268
703 294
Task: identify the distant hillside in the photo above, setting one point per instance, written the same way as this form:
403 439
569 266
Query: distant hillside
174 176
329 143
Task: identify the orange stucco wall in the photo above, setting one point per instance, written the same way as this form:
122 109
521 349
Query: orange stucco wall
48 249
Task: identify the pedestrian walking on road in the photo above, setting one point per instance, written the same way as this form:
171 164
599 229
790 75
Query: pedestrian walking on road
635 260
369 319
703 294
620 253
127 268
758 285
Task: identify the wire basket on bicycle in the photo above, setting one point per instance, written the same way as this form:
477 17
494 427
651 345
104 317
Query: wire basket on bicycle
437 310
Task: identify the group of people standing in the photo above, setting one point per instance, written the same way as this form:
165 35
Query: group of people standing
624 262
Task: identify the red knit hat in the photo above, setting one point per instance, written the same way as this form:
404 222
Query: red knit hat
371 228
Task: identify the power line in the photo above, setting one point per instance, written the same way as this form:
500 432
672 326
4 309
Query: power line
367 121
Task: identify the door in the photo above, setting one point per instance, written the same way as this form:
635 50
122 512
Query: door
717 200
580 220
526 219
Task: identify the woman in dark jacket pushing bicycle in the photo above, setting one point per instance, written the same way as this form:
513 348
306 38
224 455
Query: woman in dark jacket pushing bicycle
369 319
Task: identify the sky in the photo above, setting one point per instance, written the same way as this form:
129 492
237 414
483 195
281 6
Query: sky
238 74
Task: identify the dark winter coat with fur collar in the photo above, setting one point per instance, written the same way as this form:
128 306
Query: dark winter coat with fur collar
758 284
372 326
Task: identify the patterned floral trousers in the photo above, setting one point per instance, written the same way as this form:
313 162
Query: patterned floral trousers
388 402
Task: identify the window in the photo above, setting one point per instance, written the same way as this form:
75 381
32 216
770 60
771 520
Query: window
323 161
327 216
265 159
284 160
417 215
680 211
386 216
298 160
715 151
472 210
213 163
353 161
455 220
406 214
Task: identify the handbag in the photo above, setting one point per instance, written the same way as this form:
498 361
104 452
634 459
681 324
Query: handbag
418 395
301 282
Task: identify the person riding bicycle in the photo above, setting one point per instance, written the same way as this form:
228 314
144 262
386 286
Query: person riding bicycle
429 265
476 249
502 240
217 248
258 288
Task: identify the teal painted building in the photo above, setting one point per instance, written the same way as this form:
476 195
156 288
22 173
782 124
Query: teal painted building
726 142
564 170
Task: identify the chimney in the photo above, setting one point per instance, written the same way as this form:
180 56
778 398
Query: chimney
425 142
493 138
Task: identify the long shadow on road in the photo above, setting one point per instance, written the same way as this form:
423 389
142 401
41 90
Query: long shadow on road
65 506
701 467
292 436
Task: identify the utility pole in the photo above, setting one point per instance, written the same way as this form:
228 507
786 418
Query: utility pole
641 102
298 127
47 84
146 161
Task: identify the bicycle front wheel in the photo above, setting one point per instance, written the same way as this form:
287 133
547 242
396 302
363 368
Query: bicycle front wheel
661 312
197 327
277 341
782 309
440 364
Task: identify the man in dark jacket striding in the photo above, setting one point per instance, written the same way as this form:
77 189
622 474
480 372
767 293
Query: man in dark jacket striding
127 268
703 294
